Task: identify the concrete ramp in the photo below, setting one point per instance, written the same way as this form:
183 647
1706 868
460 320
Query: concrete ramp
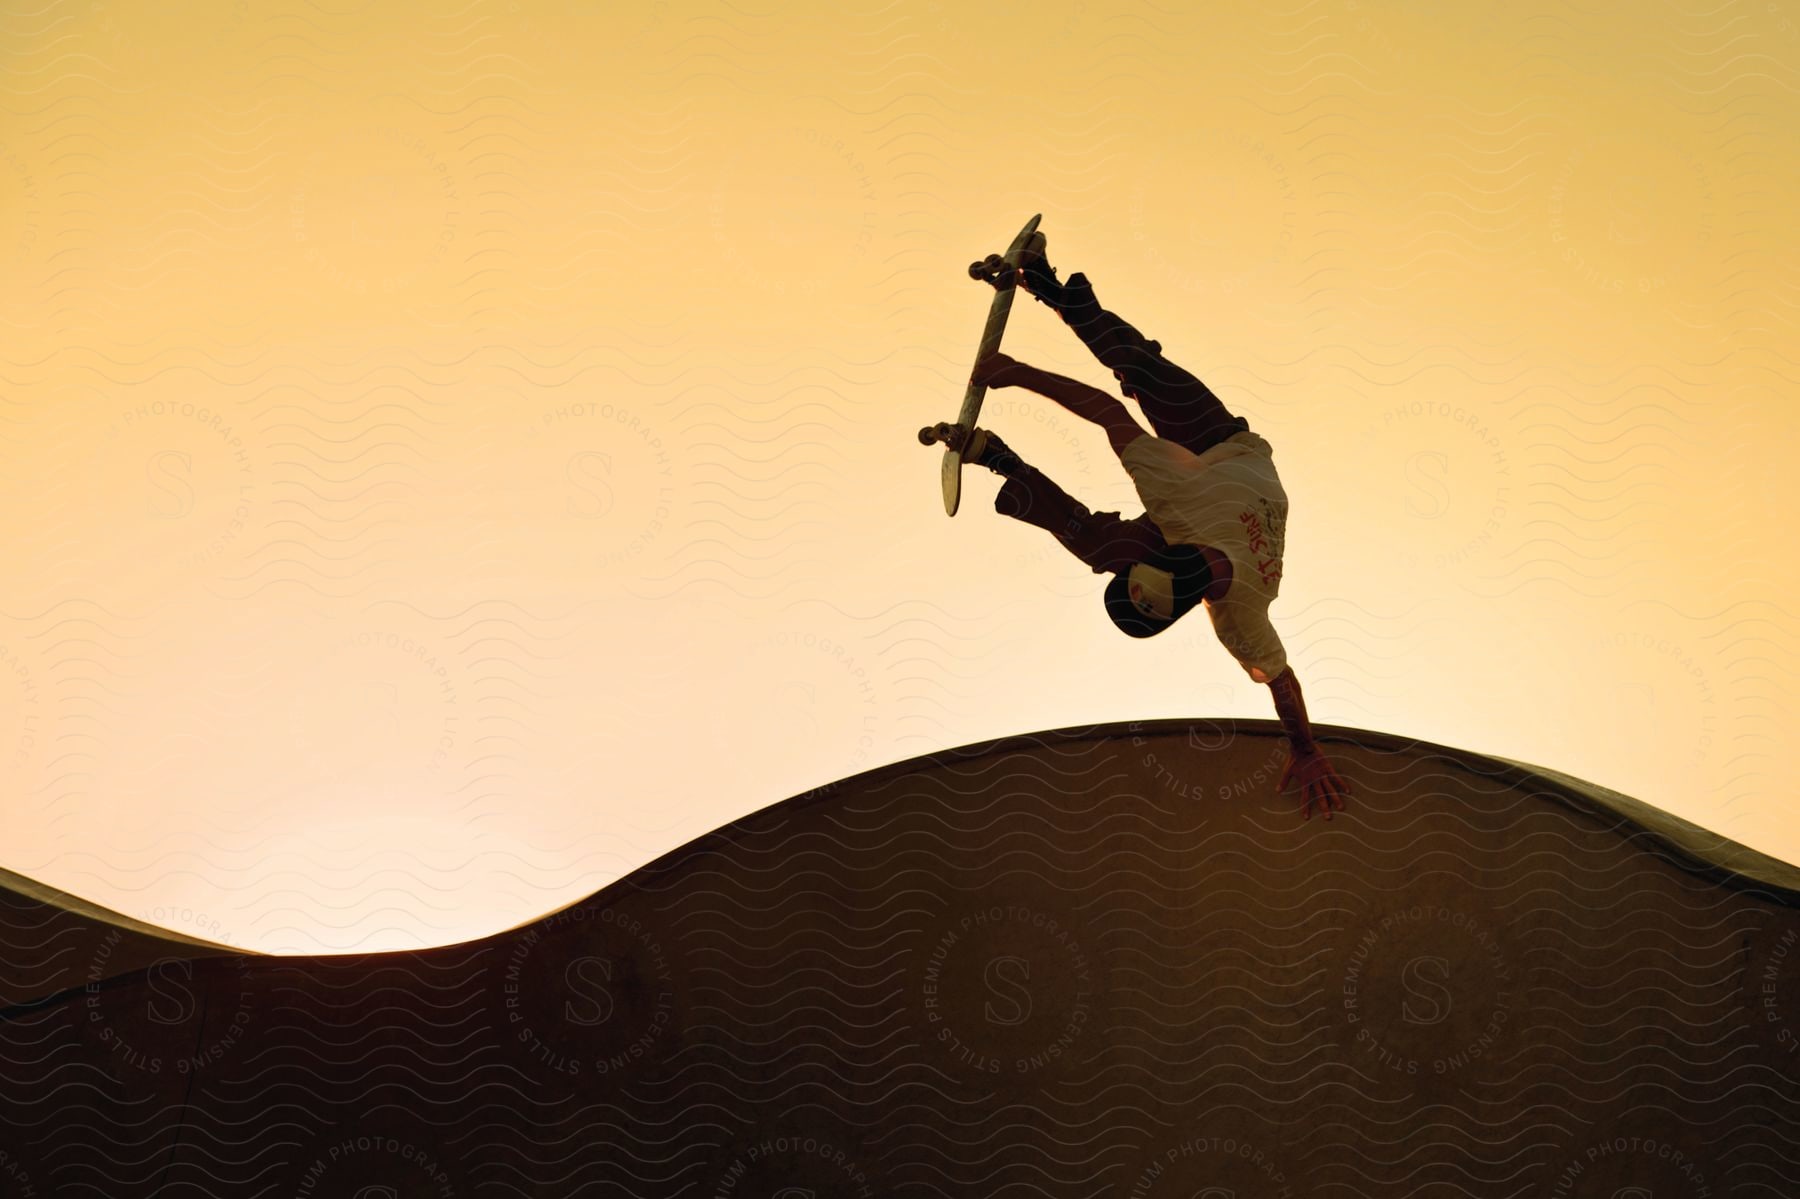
52 941
1106 961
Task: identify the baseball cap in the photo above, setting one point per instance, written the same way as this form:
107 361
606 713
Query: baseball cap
1171 582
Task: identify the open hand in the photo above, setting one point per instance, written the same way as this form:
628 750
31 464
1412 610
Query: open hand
997 370
1320 783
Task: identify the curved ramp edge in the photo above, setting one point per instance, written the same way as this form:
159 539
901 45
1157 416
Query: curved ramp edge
1102 960
52 941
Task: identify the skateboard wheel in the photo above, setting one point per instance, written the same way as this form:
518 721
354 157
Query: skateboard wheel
925 437
988 268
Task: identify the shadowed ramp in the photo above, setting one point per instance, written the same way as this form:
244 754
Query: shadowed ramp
1108 961
51 941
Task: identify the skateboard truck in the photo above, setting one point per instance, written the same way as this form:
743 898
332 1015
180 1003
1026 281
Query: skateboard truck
995 271
951 435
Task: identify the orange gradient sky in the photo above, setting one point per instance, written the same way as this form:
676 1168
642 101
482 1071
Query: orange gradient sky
457 454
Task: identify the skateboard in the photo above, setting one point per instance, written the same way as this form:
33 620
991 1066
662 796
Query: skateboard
1000 271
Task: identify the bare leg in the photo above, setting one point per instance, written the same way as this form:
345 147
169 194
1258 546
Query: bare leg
1089 403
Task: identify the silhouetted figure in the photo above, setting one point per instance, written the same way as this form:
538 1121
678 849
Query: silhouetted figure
1215 512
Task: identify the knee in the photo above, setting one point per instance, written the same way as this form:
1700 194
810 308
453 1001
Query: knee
1138 362
1014 499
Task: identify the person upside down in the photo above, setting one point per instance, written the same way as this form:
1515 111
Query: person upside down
1215 512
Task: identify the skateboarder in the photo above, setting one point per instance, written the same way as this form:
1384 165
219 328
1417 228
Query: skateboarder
1215 516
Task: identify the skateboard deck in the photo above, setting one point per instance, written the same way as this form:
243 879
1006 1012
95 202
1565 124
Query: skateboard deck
1005 287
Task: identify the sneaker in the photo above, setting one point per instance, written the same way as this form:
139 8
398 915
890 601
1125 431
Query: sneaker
985 448
1038 276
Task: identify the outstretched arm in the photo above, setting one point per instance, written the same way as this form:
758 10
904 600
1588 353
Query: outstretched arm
1290 705
1089 403
1319 783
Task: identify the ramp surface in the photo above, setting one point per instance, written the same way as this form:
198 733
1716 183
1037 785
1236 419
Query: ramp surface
1108 961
